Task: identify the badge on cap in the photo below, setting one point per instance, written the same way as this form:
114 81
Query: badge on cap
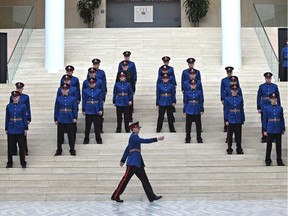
165 76
233 78
15 93
126 53
65 86
92 80
164 67
229 69
124 63
134 125
166 59
193 82
234 87
273 95
66 77
122 74
268 74
190 60
69 68
19 85
96 61
91 70
192 71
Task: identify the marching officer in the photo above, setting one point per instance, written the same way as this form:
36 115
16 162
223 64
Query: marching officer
16 126
274 127
193 109
74 81
24 99
92 108
122 99
234 118
166 60
135 164
65 116
233 80
263 93
131 65
185 74
165 101
130 77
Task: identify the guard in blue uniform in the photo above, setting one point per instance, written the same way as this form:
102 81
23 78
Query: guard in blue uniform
233 80
135 164
166 60
65 116
131 66
234 118
274 127
263 93
187 83
165 101
72 90
193 109
165 70
74 80
16 126
92 108
185 74
130 77
24 99
122 99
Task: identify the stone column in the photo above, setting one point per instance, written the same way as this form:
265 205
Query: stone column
54 35
231 33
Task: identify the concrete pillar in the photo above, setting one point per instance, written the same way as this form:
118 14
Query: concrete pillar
54 35
231 33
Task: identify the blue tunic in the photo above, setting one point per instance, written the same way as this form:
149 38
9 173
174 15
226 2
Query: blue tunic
74 82
100 74
170 71
24 99
16 118
285 56
273 119
92 101
131 67
186 76
193 102
135 157
234 110
65 109
165 94
122 94
263 94
225 83
99 85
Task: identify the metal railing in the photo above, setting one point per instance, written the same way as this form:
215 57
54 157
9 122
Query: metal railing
266 16
20 45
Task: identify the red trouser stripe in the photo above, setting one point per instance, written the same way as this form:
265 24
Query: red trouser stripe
121 183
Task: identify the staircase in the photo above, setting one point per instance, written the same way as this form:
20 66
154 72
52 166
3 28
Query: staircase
178 171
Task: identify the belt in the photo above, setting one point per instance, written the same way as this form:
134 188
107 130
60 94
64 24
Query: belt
122 94
265 98
65 110
165 95
92 102
234 110
193 101
16 119
274 120
134 150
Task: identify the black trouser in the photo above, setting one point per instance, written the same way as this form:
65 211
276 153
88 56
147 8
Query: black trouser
141 174
96 122
162 110
270 138
70 130
283 74
262 129
237 130
126 112
131 110
189 120
101 121
12 140
26 146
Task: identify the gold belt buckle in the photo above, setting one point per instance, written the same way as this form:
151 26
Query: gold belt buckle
235 110
166 94
15 120
92 102
123 93
65 109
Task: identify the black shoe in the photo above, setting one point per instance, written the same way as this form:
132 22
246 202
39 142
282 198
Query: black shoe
268 163
240 152
156 198
131 120
118 131
229 151
187 140
23 165
9 165
26 154
280 163
117 200
101 131
100 142
85 142
172 131
72 152
14 153
200 140
158 131
263 140
58 153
